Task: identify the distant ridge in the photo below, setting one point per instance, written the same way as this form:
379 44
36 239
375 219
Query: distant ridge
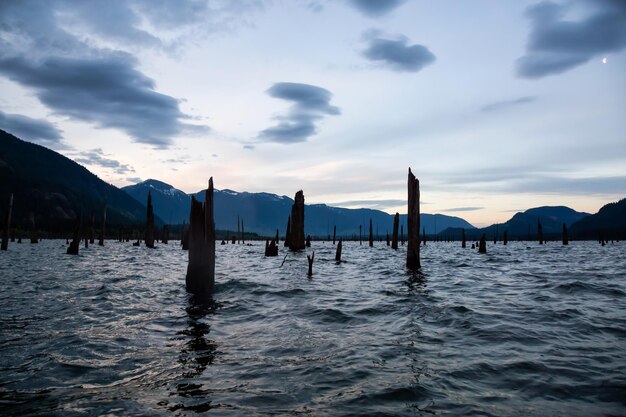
56 189
523 225
609 221
264 212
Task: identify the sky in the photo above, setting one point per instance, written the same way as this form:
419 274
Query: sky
496 105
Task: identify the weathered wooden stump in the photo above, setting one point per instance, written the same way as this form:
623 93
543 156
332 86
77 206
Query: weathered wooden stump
243 234
402 234
360 234
308 241
72 249
149 235
200 277
424 235
387 241
277 239
413 219
482 247
310 259
505 237
394 233
288 233
338 252
271 249
371 235
565 240
7 225
540 232
463 242
297 223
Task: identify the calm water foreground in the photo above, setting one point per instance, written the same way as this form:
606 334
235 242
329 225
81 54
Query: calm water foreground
518 332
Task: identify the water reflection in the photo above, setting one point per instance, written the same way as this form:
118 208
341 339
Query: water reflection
196 355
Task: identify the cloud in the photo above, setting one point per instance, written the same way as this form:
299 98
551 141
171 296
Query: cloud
134 180
309 105
375 8
38 131
69 54
397 54
557 43
373 204
96 157
499 105
109 92
459 209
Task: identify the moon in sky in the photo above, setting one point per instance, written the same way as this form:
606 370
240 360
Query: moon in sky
605 60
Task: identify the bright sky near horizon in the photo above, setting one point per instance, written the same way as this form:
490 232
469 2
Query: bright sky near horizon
496 105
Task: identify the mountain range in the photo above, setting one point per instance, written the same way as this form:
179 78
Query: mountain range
53 190
263 213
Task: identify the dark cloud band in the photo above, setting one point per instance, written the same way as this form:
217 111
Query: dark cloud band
397 54
38 131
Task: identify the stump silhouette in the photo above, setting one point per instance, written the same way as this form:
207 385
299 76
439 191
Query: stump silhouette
540 232
413 219
288 233
308 241
334 233
394 235
165 234
371 235
297 223
104 221
75 243
565 239
424 235
463 242
243 233
310 259
505 238
482 247
149 235
338 252
271 249
7 225
200 277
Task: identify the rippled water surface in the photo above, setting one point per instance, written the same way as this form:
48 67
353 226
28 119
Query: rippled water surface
534 331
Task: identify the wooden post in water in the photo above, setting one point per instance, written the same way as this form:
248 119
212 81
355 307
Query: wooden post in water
271 249
288 233
104 222
482 248
424 235
200 277
297 223
149 235
565 240
413 218
540 232
334 234
338 253
7 225
33 229
505 238
310 259
371 235
394 234
463 243
243 234
72 249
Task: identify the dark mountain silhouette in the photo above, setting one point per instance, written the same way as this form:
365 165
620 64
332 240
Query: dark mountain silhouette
264 212
56 189
609 221
523 225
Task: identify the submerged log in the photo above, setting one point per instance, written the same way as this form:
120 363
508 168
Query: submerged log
297 223
505 238
149 236
7 225
371 235
413 219
334 234
73 247
394 235
338 252
482 247
540 232
565 240
310 259
463 242
200 277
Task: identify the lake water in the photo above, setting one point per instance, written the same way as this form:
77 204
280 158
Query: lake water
535 331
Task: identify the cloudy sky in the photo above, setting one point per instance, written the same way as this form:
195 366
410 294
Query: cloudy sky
497 105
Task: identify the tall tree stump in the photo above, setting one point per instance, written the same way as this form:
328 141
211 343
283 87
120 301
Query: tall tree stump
200 278
413 219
